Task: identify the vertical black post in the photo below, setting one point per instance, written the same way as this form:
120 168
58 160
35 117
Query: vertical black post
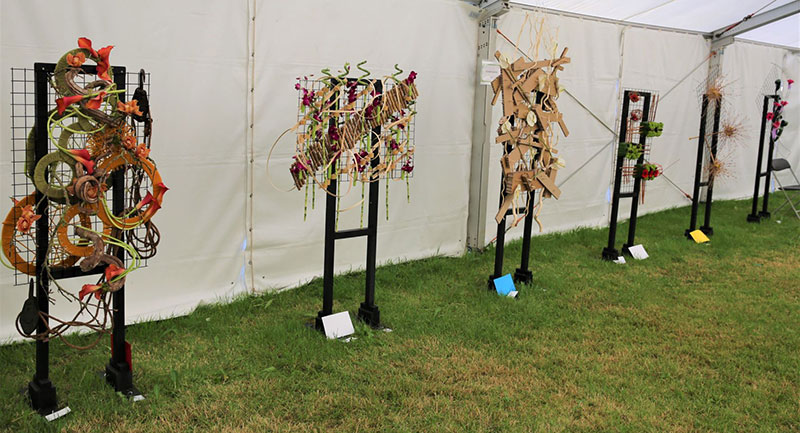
118 370
637 182
753 217
610 252
41 391
768 174
698 169
706 227
523 274
500 240
368 312
330 243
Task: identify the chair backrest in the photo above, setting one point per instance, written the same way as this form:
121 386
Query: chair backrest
779 164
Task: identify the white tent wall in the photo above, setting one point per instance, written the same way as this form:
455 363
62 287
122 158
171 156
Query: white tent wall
437 39
746 66
197 55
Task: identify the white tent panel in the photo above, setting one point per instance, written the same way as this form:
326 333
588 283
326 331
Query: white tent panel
703 16
782 32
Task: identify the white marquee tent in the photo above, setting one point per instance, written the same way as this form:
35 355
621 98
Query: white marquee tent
222 77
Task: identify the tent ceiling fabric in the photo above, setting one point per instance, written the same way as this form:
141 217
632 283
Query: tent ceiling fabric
705 16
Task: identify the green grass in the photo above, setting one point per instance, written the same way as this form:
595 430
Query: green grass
696 338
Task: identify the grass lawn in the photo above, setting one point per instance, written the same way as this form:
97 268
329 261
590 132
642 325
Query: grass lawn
696 338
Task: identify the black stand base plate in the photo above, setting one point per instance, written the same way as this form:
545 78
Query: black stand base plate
626 249
708 231
119 375
490 283
765 215
610 254
687 234
369 314
523 276
42 396
318 322
753 218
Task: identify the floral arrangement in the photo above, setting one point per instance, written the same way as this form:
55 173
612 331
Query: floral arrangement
336 131
647 171
92 136
652 129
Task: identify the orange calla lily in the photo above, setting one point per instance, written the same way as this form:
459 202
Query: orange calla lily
63 103
103 64
77 60
96 102
101 55
151 210
82 156
90 288
145 201
161 193
86 43
112 271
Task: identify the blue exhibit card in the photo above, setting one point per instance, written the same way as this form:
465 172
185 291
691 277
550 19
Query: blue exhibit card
504 285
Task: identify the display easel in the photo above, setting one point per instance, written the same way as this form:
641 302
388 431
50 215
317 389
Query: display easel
522 274
698 172
41 392
368 312
755 216
610 252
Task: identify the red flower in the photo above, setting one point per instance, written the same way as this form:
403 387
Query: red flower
86 43
90 288
145 201
151 210
63 103
94 103
129 142
103 64
770 116
82 156
112 271
161 193
634 96
784 103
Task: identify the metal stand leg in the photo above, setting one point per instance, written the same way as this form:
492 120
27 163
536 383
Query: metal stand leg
523 275
368 312
330 243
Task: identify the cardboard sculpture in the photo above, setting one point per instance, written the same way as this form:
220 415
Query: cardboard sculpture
89 213
528 92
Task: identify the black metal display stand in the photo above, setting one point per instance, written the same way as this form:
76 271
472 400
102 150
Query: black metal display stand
755 216
698 172
522 274
41 391
610 252
368 312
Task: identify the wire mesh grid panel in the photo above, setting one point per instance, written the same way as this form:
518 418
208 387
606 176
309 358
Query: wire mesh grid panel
352 99
57 172
634 119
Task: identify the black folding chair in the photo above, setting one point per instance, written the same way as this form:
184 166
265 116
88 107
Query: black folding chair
778 165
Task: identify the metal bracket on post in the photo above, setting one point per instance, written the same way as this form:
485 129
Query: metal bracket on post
481 125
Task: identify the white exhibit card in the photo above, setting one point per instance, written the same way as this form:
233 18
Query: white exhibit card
338 325
638 252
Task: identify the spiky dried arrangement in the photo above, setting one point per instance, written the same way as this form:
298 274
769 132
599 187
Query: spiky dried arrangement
731 131
716 88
